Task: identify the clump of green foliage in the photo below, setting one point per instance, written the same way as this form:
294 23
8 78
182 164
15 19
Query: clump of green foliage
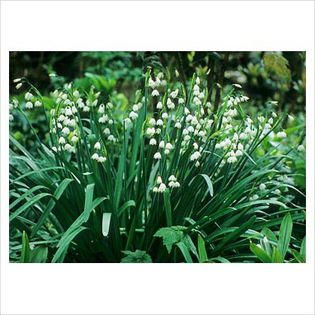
168 178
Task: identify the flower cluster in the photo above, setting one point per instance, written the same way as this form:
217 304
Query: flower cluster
96 156
160 186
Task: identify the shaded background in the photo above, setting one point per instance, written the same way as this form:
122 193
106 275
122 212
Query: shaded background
278 76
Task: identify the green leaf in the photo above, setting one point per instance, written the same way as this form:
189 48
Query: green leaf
303 248
235 234
260 253
171 235
202 252
185 251
28 205
138 256
39 254
106 223
57 195
168 209
208 182
25 254
76 227
276 256
125 206
285 235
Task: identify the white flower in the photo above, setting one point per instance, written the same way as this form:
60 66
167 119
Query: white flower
197 80
159 122
111 138
68 111
159 180
186 110
170 104
168 146
195 156
62 140
29 105
151 83
101 109
197 163
103 119
162 187
174 94
158 131
189 118
135 108
262 186
38 104
110 121
231 159
237 85
162 144
95 156
133 115
152 141
106 131
159 105
238 153
128 122
150 132
155 93
277 192
243 136
152 122
18 85
157 156
74 139
254 197
65 130
171 184
101 159
109 105
164 115
76 94
240 146
11 118
54 149
97 146
28 96
155 189
190 129
301 148
178 125
17 80
72 123
181 101
281 134
86 108
261 119
172 178
274 115
69 147
197 101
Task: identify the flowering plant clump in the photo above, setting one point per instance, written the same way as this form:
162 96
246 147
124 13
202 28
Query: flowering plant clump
171 180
